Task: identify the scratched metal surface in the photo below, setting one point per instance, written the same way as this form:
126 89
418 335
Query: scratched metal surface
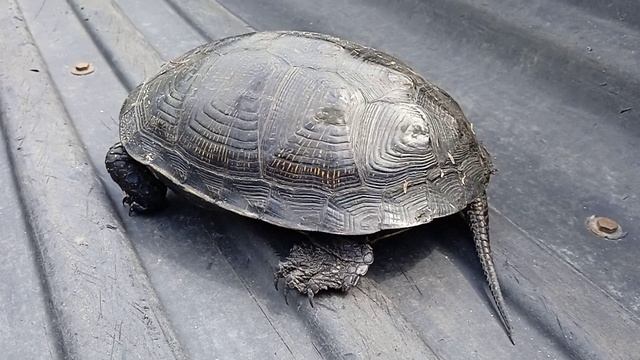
551 86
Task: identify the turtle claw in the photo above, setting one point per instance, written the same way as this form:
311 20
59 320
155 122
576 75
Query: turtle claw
310 296
134 207
286 292
276 280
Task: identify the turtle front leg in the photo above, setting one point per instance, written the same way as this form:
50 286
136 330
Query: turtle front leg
477 214
144 191
315 266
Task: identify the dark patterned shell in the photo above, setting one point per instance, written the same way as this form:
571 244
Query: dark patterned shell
306 131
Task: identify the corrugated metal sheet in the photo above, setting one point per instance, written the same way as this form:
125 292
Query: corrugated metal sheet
552 87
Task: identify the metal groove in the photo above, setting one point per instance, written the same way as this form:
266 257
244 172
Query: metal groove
74 260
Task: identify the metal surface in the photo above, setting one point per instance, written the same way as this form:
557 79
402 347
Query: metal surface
551 86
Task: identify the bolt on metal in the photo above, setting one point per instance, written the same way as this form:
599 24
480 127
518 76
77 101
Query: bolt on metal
605 227
82 68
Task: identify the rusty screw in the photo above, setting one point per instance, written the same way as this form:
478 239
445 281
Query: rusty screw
82 68
607 225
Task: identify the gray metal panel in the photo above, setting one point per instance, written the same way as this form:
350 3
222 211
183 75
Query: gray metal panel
547 84
27 330
101 300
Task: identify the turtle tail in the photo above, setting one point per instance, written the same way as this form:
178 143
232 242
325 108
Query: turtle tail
477 214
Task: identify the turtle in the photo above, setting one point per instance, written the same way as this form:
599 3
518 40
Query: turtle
309 132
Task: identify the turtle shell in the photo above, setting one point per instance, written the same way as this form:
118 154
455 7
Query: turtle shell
306 131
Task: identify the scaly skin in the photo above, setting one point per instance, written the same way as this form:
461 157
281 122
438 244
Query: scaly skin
477 214
336 264
144 191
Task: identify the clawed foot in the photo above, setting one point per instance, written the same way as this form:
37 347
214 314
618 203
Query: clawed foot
144 191
134 207
311 268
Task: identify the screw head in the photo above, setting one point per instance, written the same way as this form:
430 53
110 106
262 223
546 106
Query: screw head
82 68
607 225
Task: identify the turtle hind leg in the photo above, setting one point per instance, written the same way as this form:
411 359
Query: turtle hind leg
144 191
477 214
312 267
